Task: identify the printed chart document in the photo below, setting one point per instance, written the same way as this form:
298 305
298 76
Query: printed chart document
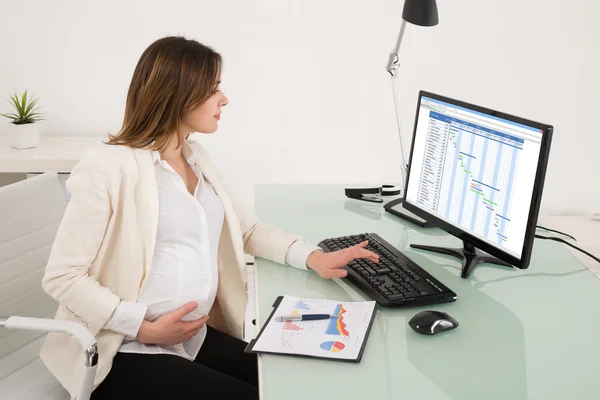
341 337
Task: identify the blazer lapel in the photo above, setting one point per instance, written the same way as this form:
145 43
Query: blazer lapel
148 215
211 175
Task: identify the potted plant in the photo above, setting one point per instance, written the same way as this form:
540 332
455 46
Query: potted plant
24 133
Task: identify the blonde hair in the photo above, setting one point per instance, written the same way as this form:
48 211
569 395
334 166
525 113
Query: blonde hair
173 76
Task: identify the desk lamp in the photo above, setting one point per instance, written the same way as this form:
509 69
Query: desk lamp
421 13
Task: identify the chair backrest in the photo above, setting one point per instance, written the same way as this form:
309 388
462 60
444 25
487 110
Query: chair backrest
30 213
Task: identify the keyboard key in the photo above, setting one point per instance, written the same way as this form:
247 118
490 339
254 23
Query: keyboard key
395 296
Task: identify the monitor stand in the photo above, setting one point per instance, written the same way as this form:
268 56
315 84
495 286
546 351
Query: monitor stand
469 254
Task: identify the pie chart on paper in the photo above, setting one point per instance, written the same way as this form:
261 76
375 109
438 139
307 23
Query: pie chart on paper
333 346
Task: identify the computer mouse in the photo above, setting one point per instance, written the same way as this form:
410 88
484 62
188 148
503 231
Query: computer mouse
432 322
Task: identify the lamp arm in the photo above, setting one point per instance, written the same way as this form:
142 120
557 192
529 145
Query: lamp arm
404 157
392 66
393 61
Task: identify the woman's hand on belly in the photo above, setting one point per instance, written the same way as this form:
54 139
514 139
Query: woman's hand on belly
169 329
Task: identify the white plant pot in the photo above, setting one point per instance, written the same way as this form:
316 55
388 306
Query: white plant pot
25 136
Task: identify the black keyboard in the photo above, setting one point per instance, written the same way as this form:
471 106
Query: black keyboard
395 280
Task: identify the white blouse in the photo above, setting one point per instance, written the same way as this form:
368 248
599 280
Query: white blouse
184 267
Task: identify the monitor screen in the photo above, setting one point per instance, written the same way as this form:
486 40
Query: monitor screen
474 171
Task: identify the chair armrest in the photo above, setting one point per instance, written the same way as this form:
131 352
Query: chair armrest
80 333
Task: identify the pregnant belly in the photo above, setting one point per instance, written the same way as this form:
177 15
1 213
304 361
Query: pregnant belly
172 284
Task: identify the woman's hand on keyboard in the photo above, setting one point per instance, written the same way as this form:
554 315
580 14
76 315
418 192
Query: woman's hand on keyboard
330 265
168 329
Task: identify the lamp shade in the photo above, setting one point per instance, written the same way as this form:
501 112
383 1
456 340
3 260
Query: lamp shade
420 12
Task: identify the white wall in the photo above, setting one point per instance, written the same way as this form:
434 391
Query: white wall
310 97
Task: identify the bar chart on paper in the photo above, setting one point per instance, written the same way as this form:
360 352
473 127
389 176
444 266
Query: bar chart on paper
468 176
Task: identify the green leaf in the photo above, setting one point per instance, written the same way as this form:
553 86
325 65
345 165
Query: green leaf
30 106
24 102
14 98
17 104
24 105
35 117
36 111
12 101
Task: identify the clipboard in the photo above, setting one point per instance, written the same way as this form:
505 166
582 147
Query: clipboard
334 353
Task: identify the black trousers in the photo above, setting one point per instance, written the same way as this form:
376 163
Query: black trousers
220 371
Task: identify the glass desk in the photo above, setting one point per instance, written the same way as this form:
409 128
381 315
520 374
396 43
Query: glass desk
523 334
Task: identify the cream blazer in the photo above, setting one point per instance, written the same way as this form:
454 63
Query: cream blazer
103 251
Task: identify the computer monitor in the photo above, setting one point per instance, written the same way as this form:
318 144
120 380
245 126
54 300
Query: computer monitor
477 174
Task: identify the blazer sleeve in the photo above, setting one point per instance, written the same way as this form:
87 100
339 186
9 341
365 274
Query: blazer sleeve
77 243
260 239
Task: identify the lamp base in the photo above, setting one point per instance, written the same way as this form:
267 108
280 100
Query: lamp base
396 207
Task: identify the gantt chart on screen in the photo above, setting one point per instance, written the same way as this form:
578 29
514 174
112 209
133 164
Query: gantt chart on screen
475 171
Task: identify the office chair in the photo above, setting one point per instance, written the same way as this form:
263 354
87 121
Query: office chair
30 213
